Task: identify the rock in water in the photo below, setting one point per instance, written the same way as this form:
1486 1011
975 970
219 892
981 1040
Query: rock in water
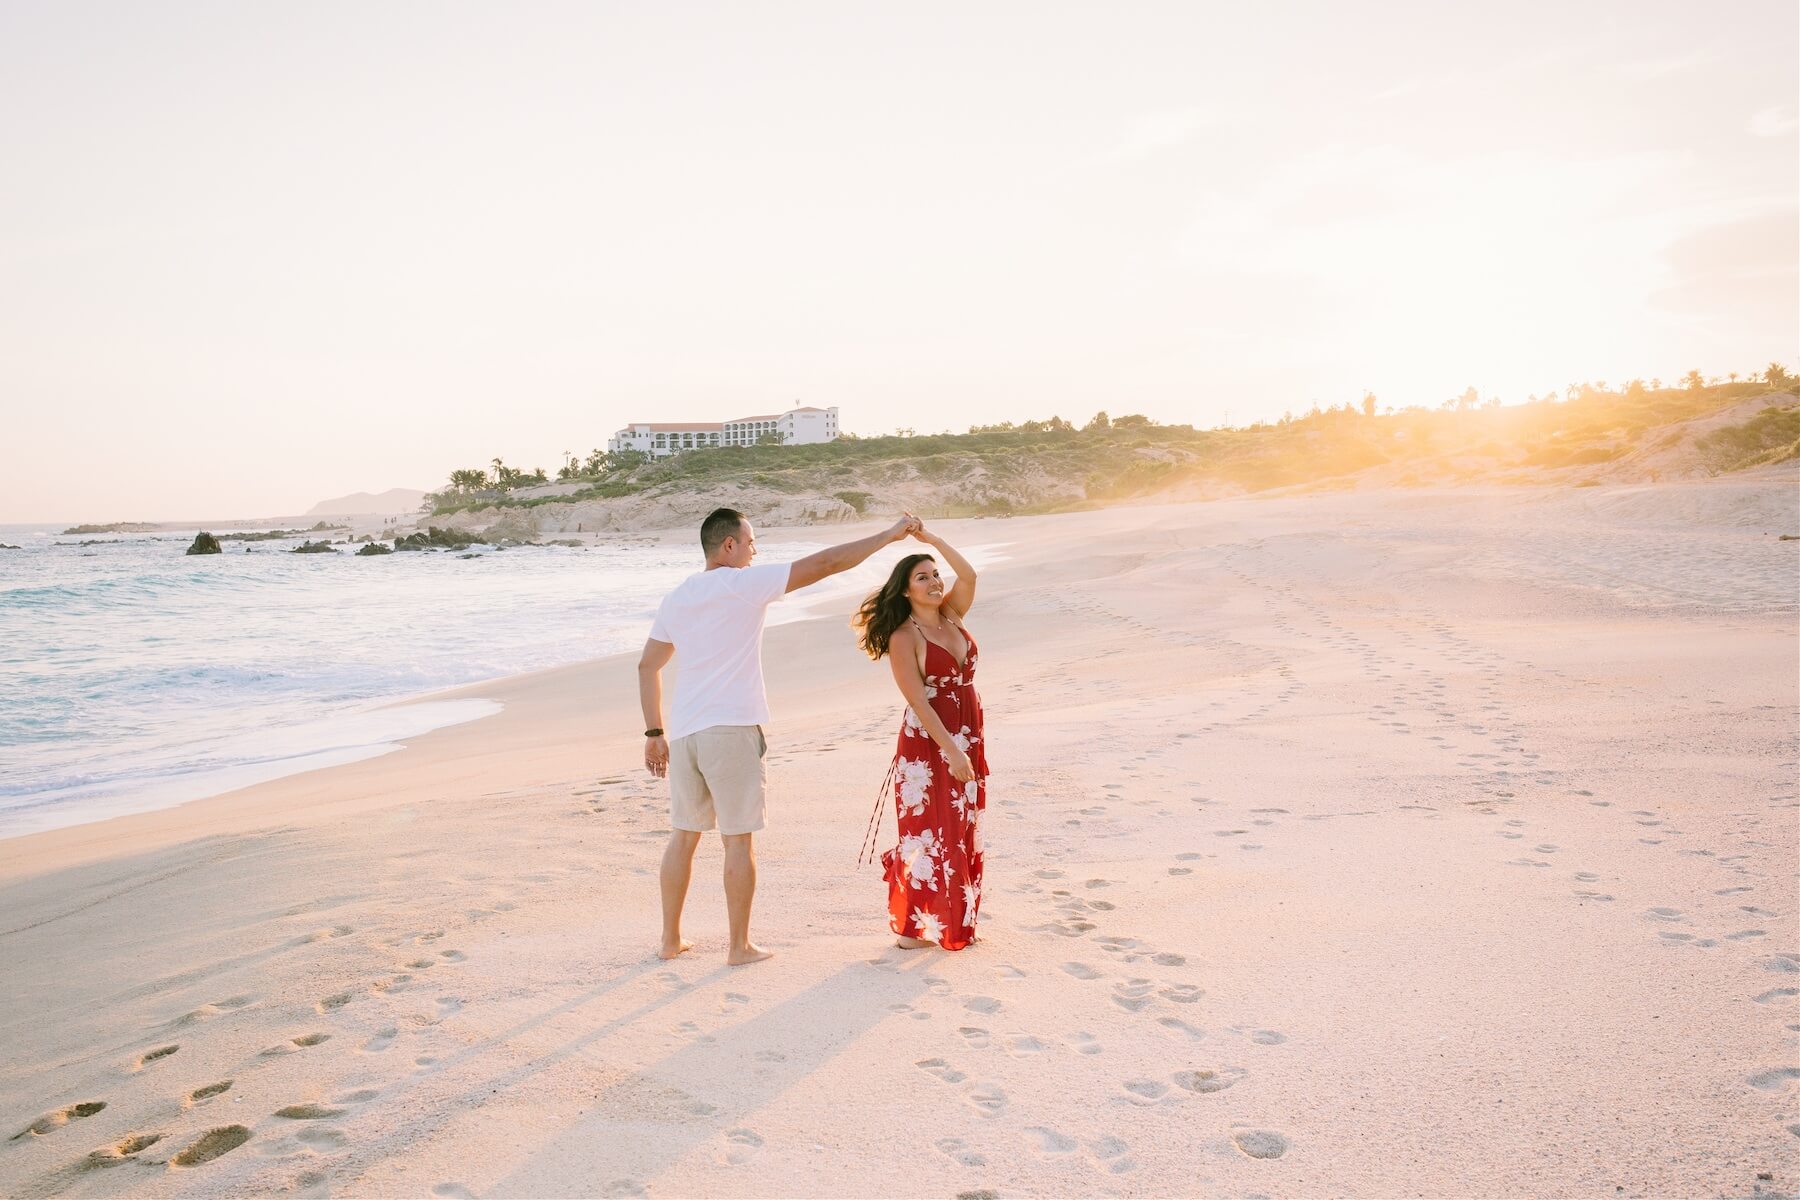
313 548
205 543
373 548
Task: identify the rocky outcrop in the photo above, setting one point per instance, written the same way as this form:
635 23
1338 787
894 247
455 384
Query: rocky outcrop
435 538
374 548
313 548
205 543
115 527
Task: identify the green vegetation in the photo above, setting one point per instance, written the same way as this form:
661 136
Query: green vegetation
1771 436
1051 465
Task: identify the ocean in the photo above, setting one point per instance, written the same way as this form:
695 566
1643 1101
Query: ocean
136 677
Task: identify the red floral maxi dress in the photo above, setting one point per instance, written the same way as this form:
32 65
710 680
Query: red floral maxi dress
934 874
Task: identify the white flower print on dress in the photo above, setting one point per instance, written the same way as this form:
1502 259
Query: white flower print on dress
961 740
915 785
920 853
930 928
971 898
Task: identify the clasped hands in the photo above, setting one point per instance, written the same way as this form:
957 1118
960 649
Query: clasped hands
910 526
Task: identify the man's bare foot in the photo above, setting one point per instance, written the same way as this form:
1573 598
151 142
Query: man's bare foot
906 943
680 947
749 954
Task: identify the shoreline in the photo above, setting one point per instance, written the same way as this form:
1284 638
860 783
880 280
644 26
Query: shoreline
820 602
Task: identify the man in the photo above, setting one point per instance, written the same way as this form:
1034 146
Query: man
712 751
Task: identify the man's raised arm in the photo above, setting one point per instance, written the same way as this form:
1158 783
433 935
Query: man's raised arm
809 570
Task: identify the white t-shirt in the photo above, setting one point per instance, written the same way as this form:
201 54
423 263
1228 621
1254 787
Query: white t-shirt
715 622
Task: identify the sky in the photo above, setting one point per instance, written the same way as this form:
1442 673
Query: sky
256 255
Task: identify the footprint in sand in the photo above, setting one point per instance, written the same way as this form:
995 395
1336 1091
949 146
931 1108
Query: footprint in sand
1048 1141
117 1153
383 1040
741 1146
1267 1037
1145 1091
1260 1143
988 1100
1773 994
1776 1079
327 1139
1663 914
941 1069
958 1151
211 1145
1021 1046
50 1122
1205 1083
308 1112
452 1191
1110 1152
1181 993
1080 970
1182 1026
1133 996
333 1002
202 1094
1084 1043
982 1004
150 1056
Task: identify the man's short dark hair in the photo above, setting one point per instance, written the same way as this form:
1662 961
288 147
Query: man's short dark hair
720 524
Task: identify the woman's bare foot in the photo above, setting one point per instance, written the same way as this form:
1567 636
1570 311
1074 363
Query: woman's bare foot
680 947
906 943
749 954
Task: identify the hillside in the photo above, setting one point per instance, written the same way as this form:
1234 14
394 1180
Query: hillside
393 502
1641 436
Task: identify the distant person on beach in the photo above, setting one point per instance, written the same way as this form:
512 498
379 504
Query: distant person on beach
712 751
940 766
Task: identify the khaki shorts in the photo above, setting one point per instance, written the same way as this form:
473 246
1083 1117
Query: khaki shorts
718 777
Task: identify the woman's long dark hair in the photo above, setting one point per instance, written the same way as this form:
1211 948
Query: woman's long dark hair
888 609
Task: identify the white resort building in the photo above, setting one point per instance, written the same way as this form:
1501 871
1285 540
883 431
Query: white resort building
796 427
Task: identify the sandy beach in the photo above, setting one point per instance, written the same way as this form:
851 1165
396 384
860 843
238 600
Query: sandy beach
1385 843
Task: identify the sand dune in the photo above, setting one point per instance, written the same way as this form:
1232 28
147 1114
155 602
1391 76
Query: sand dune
1361 844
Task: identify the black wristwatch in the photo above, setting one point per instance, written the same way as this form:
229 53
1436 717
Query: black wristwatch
653 733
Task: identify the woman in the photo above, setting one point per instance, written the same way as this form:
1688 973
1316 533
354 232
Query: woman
940 769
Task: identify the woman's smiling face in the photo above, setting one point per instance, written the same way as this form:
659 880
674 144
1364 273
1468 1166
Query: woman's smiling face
925 587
